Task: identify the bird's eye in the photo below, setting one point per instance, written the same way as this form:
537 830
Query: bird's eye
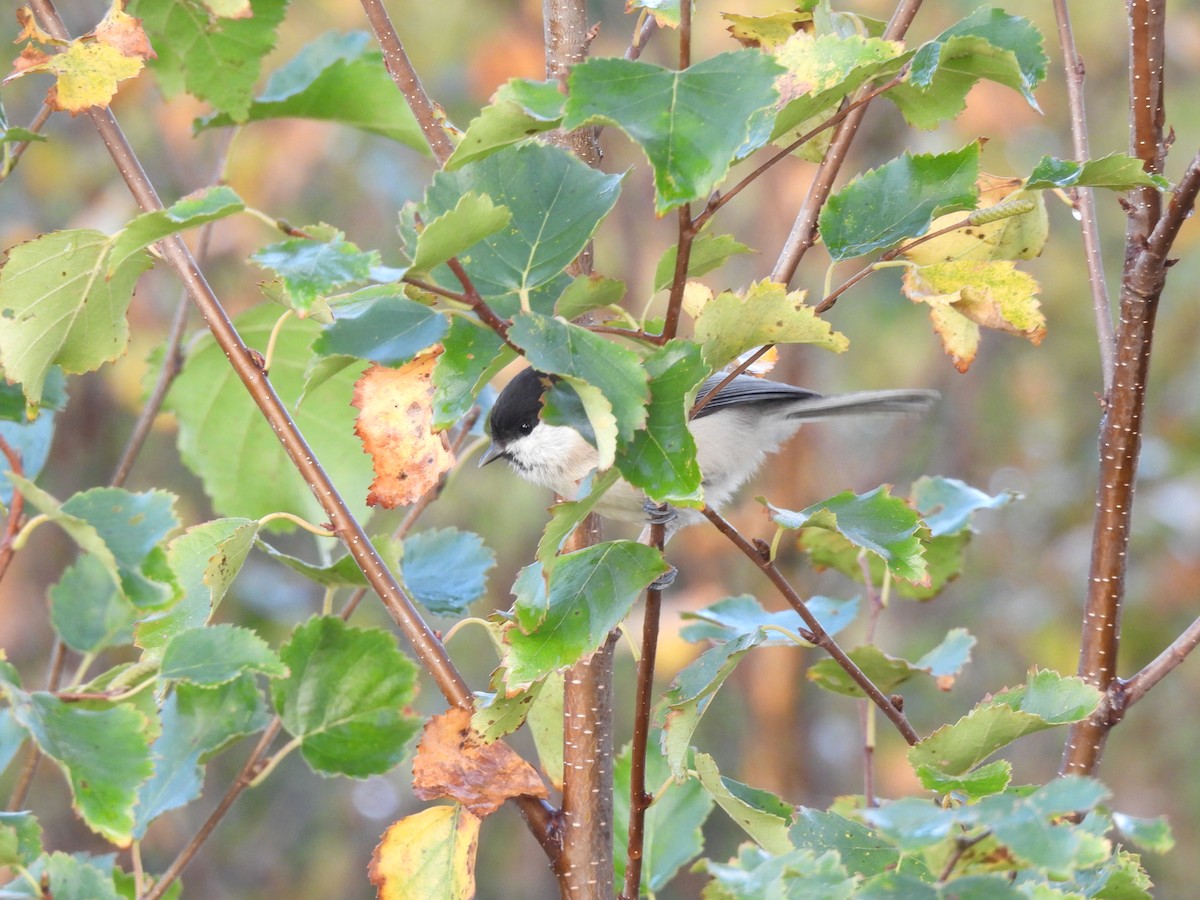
525 427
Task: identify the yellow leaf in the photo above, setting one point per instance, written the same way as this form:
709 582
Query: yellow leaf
88 75
1013 237
395 424
695 298
230 9
429 854
963 296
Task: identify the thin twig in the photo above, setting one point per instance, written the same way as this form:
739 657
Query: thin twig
804 230
821 637
1183 201
429 116
718 201
18 149
1134 689
475 300
16 506
16 801
1084 198
645 28
639 799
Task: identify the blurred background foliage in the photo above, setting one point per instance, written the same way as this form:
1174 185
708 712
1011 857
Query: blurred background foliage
1024 418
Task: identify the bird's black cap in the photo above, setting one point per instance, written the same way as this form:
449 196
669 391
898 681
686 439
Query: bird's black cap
516 411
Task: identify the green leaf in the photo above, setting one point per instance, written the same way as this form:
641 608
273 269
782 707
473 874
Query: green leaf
661 458
546 726
20 838
887 672
587 293
79 877
446 569
341 572
1046 700
1028 827
861 850
206 558
756 875
196 723
122 531
733 616
709 252
731 324
346 696
224 439
88 611
822 69
30 439
590 592
691 124
898 200
691 692
217 654
313 268
981 782
947 505
214 59
474 218
472 355
192 211
989 44
339 77
665 12
60 305
520 109
875 521
104 753
12 736
556 203
617 375
760 814
566 516
1151 834
672 836
380 324
1116 172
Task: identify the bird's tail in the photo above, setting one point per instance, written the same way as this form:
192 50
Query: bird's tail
864 403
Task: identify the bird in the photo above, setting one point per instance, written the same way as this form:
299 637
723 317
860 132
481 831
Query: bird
735 430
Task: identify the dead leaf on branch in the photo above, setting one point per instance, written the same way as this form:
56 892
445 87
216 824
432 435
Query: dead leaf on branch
87 69
395 424
453 761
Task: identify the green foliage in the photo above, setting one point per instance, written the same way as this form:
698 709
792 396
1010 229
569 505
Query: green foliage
898 200
312 268
345 696
589 592
380 324
1117 172
520 109
216 655
335 78
224 440
691 124
446 569
215 59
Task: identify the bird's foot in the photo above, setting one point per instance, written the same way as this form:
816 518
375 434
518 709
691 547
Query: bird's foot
659 513
665 580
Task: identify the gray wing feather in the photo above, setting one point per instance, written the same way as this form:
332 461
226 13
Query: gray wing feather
746 390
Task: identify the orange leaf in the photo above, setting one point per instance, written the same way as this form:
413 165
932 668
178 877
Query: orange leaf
429 854
395 424
125 34
453 761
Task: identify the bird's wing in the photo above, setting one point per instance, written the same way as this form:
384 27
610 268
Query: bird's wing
746 390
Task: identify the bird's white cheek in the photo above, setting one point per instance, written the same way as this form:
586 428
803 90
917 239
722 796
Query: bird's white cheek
554 457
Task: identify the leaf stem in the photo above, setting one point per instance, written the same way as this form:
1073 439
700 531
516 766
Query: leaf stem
13 155
296 520
821 637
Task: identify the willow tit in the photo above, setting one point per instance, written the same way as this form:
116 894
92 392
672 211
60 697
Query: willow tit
734 431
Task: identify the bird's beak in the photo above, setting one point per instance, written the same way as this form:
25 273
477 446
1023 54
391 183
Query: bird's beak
491 454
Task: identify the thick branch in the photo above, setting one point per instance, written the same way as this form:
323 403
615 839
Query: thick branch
1121 425
1084 198
820 636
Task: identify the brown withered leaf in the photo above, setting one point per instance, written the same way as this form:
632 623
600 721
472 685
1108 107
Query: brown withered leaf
395 425
452 761
124 33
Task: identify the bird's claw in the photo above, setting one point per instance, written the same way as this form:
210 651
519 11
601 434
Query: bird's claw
665 580
659 514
